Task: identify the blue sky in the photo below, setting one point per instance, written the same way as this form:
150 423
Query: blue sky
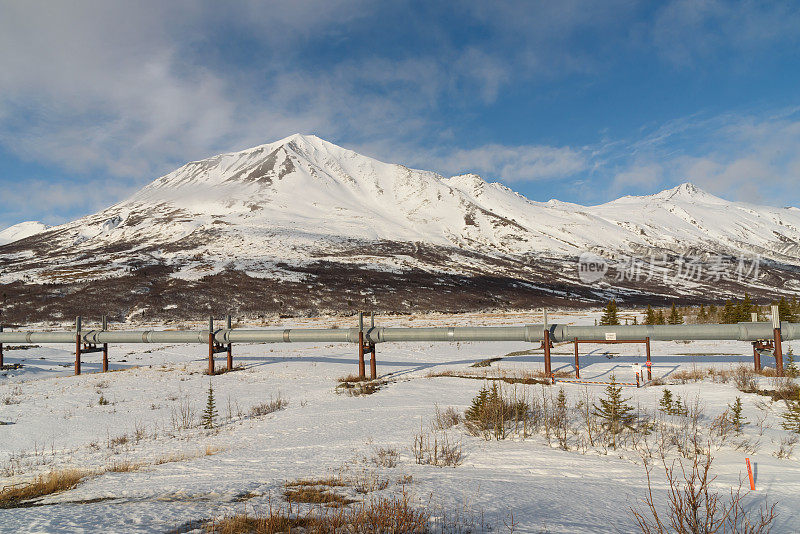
582 101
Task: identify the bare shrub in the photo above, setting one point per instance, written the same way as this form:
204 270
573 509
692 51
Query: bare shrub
692 507
274 405
436 449
447 418
385 457
745 379
182 417
118 441
494 413
787 446
688 375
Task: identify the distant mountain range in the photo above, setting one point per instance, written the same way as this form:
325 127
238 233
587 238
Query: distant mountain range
304 226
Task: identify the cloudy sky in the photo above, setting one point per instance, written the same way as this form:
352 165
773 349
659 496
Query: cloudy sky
578 100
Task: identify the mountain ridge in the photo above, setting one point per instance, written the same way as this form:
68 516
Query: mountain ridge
302 209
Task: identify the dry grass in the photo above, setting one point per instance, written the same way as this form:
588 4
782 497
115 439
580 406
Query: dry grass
125 466
315 495
509 376
349 378
53 482
358 388
330 481
265 408
389 515
210 450
175 457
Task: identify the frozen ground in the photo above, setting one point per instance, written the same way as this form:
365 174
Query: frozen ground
58 422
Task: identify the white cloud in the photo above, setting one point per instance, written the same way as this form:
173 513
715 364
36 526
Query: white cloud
514 163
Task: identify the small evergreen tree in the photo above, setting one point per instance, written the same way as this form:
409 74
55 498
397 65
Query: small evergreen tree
736 417
650 316
791 367
614 411
712 313
561 419
786 311
660 317
791 417
665 404
674 316
609 317
210 413
702 316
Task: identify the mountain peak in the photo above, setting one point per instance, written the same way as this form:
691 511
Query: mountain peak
686 190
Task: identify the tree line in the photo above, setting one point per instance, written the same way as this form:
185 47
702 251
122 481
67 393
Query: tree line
733 311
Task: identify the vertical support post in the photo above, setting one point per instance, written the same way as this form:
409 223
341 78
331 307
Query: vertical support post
776 332
756 357
211 346
546 341
1 349
373 365
778 352
105 346
577 363
78 345
361 367
230 345
649 363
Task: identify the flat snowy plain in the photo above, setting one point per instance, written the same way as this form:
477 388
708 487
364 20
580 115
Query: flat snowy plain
57 421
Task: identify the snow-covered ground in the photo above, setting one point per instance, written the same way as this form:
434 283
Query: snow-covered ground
58 421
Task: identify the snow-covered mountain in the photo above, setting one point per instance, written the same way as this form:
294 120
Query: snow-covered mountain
21 231
306 218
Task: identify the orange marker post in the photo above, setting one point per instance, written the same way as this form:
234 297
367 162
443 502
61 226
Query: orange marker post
750 474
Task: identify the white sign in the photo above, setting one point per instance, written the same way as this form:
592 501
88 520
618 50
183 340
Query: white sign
611 336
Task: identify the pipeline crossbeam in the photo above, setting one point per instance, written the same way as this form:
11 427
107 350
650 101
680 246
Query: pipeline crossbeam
750 331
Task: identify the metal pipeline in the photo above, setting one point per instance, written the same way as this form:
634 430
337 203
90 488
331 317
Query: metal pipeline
528 333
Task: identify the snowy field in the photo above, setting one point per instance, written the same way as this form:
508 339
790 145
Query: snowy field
134 416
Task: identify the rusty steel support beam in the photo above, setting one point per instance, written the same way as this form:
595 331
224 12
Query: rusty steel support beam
362 372
1 349
649 363
230 345
778 352
105 346
756 357
211 346
373 364
548 368
577 362
78 345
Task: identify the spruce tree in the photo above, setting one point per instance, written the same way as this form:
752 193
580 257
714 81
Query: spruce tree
614 411
712 313
785 311
561 418
609 317
702 317
736 417
791 369
649 315
660 317
674 316
210 413
665 404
